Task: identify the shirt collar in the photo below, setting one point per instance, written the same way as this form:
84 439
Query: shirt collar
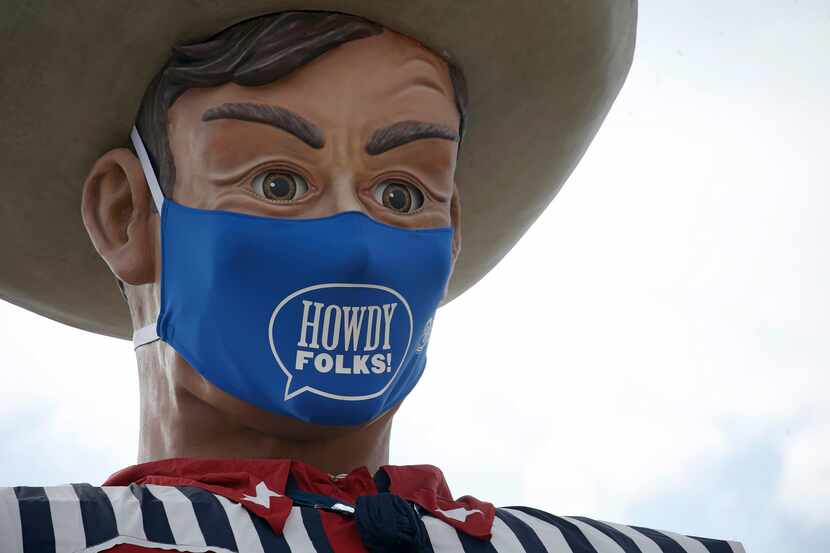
260 486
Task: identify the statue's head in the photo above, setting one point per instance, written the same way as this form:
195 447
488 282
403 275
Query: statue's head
297 115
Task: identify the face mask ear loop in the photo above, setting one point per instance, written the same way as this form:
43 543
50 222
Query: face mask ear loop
147 334
149 174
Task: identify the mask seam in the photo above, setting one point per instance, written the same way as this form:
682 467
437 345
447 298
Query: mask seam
164 276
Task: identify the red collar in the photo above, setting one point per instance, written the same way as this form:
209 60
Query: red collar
259 485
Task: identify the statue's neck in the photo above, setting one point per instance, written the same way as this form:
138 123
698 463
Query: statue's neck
183 415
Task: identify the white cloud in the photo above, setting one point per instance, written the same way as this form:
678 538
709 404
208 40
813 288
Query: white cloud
805 483
69 408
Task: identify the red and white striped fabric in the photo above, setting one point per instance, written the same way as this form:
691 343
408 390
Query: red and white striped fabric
243 506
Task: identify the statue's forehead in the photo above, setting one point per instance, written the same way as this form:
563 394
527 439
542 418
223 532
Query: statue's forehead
364 82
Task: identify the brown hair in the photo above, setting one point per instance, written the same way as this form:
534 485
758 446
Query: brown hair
253 52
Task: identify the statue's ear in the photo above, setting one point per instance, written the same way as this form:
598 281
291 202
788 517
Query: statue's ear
118 215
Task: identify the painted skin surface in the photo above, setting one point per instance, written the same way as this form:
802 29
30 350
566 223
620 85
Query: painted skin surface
239 165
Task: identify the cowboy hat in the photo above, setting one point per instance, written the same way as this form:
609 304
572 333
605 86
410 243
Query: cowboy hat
541 76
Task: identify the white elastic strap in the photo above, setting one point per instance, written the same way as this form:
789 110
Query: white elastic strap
145 335
149 174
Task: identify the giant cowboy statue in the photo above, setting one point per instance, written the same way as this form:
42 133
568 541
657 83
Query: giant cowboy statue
281 196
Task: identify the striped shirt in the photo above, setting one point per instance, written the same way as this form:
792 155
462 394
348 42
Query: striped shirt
80 518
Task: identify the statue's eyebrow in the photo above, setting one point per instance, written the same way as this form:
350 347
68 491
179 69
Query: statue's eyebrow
382 140
404 132
275 116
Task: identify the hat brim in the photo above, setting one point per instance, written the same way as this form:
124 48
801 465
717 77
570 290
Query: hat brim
541 75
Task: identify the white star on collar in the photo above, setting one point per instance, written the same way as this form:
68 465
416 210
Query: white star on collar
263 496
460 514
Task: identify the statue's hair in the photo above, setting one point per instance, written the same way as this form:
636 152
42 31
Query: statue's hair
254 52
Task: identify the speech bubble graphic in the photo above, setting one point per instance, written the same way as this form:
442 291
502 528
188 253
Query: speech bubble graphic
342 341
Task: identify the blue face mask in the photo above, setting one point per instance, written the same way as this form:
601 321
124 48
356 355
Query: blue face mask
325 320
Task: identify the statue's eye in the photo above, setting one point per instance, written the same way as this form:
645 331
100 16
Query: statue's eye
399 196
279 186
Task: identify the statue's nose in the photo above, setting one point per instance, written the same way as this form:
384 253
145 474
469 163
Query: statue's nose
344 196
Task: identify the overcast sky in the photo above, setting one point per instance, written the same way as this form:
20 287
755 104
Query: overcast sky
654 351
